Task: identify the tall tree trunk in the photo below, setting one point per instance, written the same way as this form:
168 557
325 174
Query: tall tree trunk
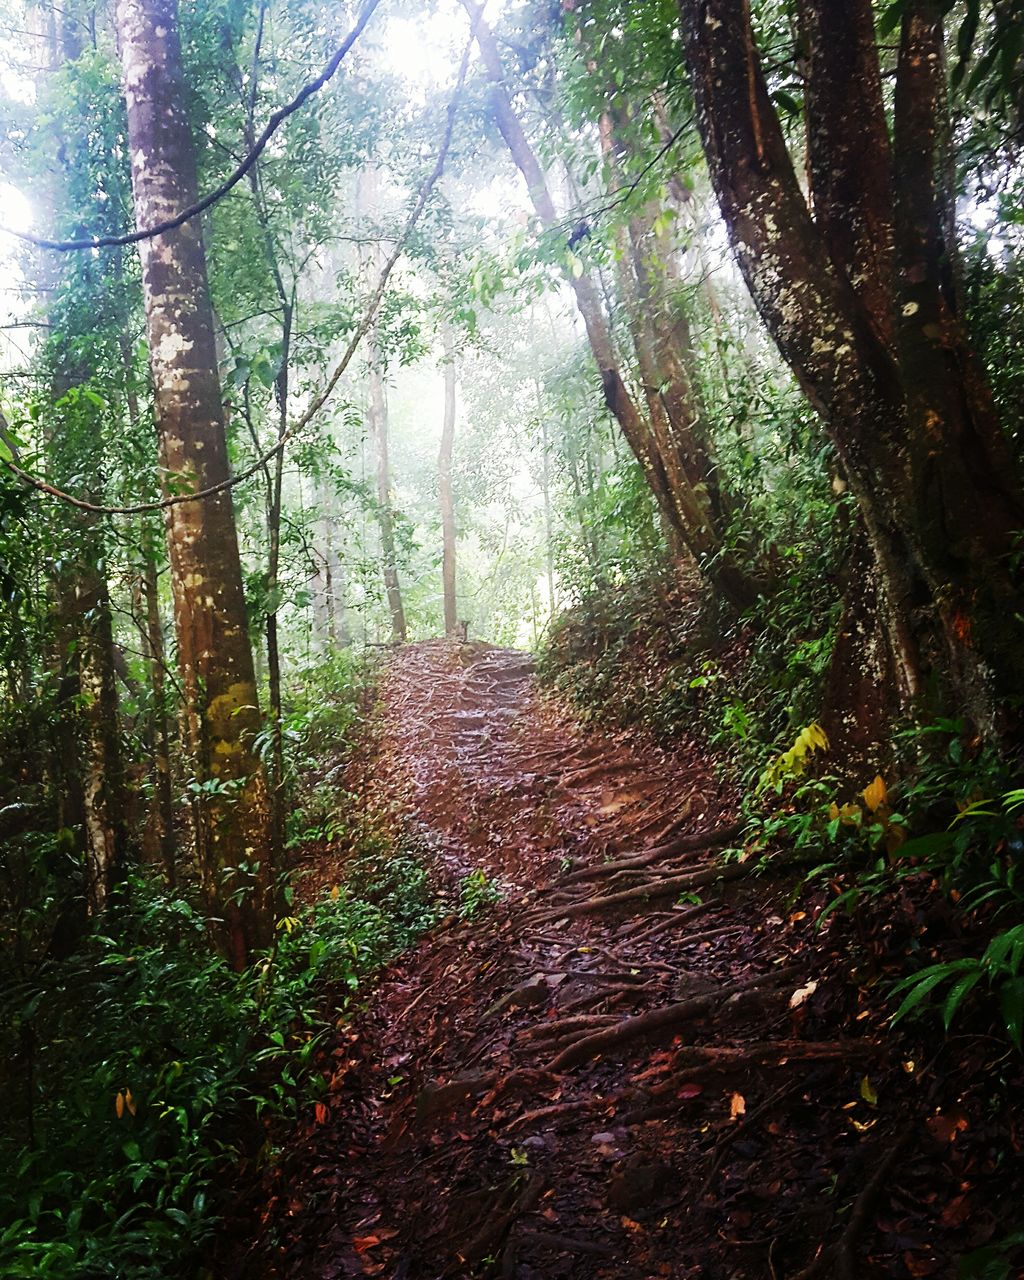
681 497
444 475
222 715
545 488
912 423
93 785
378 421
160 733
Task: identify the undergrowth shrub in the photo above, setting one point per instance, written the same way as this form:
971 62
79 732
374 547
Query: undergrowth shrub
147 1069
951 828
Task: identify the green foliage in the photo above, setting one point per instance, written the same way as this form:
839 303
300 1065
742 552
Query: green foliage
147 1069
476 891
792 763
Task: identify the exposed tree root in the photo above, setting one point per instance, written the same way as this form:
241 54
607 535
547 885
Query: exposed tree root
561 1026
655 1021
697 843
650 891
707 935
548 1240
840 1259
514 1201
557 1109
597 997
639 930
710 1062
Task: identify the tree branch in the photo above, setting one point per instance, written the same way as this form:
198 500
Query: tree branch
211 198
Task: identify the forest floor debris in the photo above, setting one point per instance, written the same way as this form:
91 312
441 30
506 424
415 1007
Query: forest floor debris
576 1084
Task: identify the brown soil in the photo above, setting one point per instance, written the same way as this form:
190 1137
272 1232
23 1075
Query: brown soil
643 1061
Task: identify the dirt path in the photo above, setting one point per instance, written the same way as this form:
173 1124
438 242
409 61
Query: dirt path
617 1070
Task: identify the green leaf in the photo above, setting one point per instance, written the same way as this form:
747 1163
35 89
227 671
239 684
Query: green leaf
958 993
892 17
1012 1002
925 982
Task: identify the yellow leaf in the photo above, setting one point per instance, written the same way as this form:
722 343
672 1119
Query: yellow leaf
875 794
817 737
119 1104
129 1101
737 1106
334 893
867 1091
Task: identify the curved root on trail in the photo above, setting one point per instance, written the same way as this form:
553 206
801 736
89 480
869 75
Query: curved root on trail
697 843
650 891
655 1021
840 1259
511 1203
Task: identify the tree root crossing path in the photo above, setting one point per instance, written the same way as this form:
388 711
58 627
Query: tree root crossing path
614 1070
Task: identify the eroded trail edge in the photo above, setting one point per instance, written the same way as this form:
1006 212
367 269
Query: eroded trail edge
615 1070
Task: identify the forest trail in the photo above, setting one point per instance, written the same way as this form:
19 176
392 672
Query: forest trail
615 1070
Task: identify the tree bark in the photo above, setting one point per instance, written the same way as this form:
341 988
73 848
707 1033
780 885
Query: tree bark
222 714
940 499
673 462
444 475
92 800
378 422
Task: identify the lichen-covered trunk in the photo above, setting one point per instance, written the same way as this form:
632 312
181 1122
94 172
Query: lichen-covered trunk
222 716
447 502
911 421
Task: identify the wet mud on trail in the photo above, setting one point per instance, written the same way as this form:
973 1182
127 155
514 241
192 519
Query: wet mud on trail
640 1062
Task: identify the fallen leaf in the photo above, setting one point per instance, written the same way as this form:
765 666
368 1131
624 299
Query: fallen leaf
119 1104
918 1266
691 1090
944 1128
362 1243
956 1212
802 993
129 1101
321 1113
867 1092
737 1106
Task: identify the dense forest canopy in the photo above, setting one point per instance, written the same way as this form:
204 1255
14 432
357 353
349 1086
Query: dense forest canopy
679 343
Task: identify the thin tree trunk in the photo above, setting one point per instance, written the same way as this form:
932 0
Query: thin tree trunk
682 498
234 837
545 485
160 732
93 786
378 421
444 472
